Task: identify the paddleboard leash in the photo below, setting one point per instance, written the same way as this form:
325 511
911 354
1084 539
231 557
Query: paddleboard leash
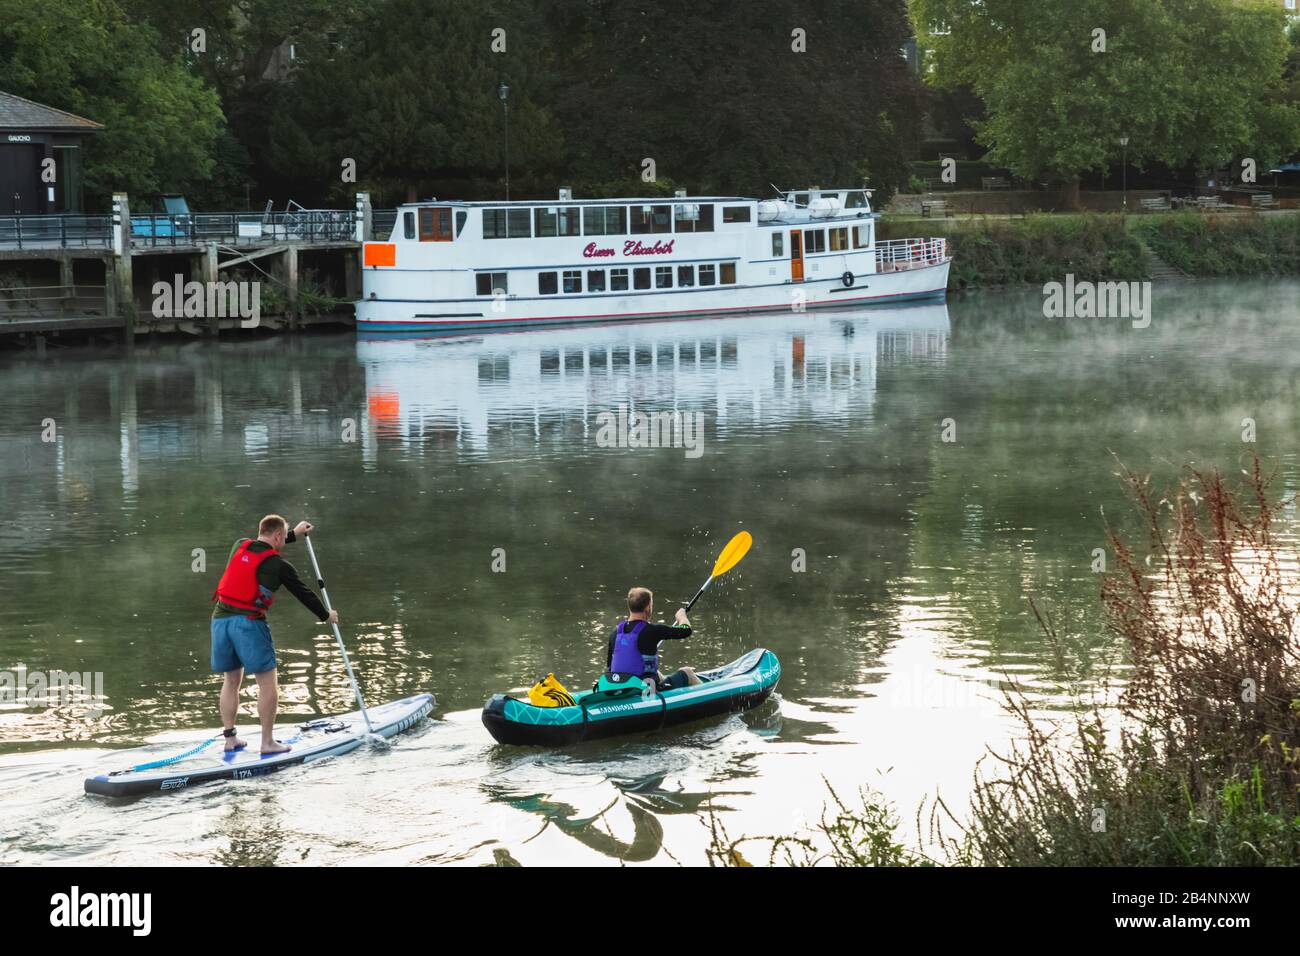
155 764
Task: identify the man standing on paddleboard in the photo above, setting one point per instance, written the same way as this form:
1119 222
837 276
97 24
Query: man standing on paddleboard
634 645
241 637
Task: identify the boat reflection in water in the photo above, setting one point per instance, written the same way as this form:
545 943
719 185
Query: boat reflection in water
763 372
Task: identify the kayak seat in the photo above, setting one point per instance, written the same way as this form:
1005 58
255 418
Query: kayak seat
613 686
619 684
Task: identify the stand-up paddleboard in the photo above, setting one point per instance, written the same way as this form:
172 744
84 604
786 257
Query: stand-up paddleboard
157 768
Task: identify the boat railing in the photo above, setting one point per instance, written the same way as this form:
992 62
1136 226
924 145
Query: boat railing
894 255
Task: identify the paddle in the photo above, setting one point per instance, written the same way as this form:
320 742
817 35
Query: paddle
736 549
320 582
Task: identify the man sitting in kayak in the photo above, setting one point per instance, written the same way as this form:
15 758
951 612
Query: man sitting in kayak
634 645
241 638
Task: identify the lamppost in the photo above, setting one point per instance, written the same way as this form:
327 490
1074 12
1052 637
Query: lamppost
1123 142
503 91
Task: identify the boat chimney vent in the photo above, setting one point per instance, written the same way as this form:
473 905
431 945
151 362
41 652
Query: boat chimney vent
566 194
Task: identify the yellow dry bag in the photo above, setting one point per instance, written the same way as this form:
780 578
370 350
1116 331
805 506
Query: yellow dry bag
549 692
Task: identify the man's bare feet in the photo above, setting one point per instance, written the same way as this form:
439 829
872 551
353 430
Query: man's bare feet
274 747
235 743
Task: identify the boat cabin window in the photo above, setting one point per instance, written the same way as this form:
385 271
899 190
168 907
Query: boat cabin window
735 214
855 199
641 278
708 274
861 236
506 224
595 280
617 280
435 224
491 283
839 239
604 220
573 281
814 240
547 284
693 217
461 216
557 221
651 219
800 199
663 277
685 276
408 225
727 273
778 243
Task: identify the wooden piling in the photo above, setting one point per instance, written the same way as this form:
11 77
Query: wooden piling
208 275
67 282
352 274
121 262
110 290
291 282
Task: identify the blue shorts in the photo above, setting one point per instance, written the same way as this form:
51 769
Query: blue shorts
238 642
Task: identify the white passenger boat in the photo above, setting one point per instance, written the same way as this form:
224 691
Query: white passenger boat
454 266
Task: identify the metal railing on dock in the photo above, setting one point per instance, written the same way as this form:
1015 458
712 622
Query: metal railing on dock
35 297
150 231
300 225
56 232
48 308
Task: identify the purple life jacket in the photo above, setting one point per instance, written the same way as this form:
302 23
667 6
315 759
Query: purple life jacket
628 658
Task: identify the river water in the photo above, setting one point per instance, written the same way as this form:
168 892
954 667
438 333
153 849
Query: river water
890 573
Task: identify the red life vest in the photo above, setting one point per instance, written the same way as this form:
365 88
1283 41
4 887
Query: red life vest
238 586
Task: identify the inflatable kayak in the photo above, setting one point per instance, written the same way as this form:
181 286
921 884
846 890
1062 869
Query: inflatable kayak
744 683
153 771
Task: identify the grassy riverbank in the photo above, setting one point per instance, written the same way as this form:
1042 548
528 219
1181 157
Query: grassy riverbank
1034 250
1197 763
1225 245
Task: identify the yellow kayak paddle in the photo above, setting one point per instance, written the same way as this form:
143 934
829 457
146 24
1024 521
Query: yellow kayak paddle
736 549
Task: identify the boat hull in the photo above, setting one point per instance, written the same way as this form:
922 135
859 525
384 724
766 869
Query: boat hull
457 315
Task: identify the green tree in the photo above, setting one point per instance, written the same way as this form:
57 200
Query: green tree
409 91
87 57
733 97
1291 72
1191 82
242 50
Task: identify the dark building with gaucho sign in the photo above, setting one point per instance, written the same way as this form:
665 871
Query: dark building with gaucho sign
31 134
